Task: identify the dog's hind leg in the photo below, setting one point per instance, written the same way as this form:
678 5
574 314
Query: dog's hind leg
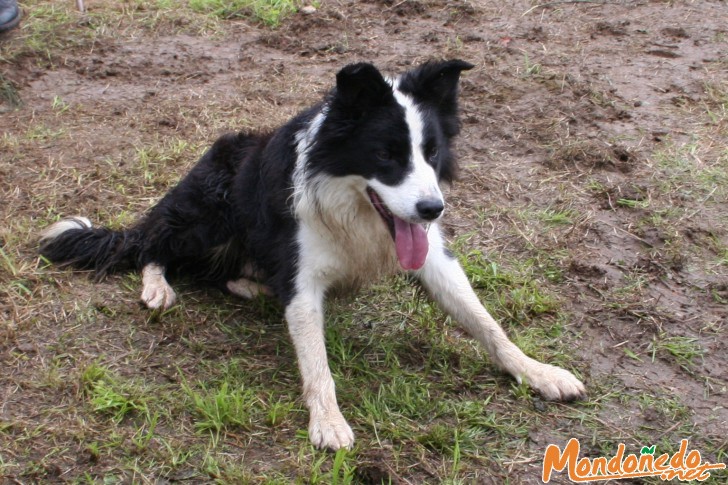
246 288
447 283
156 292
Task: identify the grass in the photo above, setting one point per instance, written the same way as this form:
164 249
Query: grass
51 28
269 12
685 350
221 408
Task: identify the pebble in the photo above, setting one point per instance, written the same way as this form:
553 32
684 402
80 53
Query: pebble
308 10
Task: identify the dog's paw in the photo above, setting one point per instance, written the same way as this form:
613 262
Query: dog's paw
158 295
330 431
245 288
555 383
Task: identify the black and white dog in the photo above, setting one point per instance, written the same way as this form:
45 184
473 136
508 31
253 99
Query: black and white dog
345 192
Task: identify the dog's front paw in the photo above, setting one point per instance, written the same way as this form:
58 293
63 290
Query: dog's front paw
555 383
158 295
330 431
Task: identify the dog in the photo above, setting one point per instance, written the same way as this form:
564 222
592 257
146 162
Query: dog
345 192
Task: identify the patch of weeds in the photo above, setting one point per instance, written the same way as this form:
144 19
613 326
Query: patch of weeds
556 217
632 204
279 412
341 470
693 171
669 407
91 375
440 437
514 296
43 133
530 68
225 468
153 163
174 454
395 408
454 44
722 252
221 408
269 12
7 263
111 396
143 436
716 97
684 350
59 106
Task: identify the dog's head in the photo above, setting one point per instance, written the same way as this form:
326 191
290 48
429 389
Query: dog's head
396 134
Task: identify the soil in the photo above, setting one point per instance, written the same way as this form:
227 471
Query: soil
570 106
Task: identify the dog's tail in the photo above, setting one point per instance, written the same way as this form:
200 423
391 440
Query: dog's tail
74 242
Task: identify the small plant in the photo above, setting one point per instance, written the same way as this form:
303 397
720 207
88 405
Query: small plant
557 217
59 106
111 398
278 412
683 349
269 12
530 68
633 204
515 296
218 409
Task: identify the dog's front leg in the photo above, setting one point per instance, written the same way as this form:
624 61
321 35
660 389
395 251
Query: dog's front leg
327 427
447 283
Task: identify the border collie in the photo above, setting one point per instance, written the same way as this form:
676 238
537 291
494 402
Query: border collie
343 193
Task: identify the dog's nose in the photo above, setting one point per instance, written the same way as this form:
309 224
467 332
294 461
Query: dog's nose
430 209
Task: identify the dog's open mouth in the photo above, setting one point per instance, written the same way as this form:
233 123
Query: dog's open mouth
410 239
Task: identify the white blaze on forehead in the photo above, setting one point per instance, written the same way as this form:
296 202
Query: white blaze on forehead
414 120
421 182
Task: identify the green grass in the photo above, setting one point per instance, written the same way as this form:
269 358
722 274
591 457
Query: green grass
693 171
513 295
685 350
51 28
221 408
269 12
111 396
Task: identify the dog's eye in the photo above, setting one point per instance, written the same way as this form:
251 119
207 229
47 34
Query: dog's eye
384 155
432 154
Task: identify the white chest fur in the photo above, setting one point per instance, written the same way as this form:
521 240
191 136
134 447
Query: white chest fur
343 241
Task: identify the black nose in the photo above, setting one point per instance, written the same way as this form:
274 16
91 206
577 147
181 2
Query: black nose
430 209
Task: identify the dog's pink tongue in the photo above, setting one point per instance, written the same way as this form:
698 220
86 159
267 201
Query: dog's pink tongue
411 243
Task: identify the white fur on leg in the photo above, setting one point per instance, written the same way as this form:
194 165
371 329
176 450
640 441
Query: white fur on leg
156 292
327 427
449 286
245 288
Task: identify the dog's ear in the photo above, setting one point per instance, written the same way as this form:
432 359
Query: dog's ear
360 87
435 82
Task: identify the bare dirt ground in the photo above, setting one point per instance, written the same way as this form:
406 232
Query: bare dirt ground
594 147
